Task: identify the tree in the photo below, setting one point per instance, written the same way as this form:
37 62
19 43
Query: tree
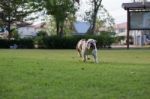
69 27
15 10
103 20
59 9
106 19
96 4
99 17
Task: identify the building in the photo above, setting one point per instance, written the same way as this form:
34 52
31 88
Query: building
26 30
138 37
121 29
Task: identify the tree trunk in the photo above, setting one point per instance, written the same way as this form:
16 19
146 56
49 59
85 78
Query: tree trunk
93 24
61 31
96 4
94 18
9 28
57 27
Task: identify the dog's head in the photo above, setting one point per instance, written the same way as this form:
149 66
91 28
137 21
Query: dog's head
91 44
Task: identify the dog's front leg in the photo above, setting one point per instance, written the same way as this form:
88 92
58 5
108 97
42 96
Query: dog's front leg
95 56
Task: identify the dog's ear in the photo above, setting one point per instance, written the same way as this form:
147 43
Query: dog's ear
95 41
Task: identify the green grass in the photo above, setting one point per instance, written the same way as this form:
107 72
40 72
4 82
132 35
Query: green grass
60 74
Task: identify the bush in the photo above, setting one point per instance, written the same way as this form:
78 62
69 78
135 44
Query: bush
4 43
104 40
15 34
69 42
25 43
21 43
39 39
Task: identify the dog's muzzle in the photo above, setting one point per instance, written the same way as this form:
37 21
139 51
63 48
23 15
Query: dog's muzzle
91 46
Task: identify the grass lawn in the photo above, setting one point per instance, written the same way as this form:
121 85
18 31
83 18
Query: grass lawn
60 74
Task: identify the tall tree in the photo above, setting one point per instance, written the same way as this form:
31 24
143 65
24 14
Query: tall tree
107 19
96 4
16 10
99 18
59 9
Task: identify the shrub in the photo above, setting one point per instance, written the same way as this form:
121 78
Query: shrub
104 40
4 43
39 39
21 43
25 43
69 42
15 33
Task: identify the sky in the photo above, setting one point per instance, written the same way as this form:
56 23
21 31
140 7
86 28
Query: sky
114 8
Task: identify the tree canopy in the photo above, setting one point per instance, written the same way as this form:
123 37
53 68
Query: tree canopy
16 10
59 9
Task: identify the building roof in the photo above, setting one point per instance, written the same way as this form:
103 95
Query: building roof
136 6
24 24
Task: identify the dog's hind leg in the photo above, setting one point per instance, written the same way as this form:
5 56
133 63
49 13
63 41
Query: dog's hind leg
79 52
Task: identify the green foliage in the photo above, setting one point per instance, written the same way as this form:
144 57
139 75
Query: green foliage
4 43
39 39
119 38
69 42
104 40
16 10
42 34
21 43
15 34
107 39
55 42
1 23
60 10
25 43
99 17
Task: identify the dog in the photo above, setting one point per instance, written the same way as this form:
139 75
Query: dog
86 48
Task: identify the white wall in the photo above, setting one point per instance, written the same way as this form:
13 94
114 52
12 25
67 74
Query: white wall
27 31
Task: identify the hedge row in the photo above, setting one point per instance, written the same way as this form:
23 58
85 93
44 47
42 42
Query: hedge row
21 43
54 42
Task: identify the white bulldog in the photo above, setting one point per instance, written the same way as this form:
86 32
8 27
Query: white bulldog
86 48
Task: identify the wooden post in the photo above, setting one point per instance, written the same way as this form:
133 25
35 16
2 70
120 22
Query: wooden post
128 27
